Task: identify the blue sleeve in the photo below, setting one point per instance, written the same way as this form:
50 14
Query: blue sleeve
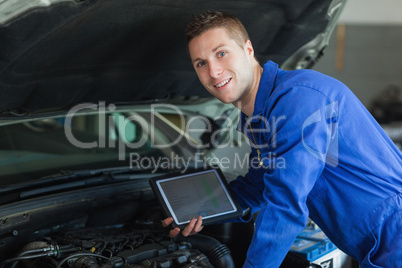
249 188
294 159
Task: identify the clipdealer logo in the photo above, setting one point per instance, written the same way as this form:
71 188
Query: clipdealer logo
108 121
325 118
201 160
104 122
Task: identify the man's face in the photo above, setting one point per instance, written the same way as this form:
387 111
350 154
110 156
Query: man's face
223 67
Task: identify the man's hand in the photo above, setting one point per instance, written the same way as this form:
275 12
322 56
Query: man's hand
193 227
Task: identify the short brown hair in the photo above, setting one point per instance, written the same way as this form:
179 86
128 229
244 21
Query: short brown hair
214 19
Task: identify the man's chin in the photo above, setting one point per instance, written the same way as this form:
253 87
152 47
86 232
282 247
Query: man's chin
226 100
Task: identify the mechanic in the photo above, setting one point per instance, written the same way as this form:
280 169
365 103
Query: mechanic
338 166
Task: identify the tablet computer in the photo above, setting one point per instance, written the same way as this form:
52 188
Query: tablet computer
199 192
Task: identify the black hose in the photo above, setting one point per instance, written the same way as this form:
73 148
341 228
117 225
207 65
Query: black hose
20 258
217 253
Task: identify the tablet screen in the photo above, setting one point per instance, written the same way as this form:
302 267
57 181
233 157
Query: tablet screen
204 193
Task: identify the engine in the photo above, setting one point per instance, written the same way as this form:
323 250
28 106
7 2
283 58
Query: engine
122 246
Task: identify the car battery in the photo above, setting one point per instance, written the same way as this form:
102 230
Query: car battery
315 248
334 259
312 244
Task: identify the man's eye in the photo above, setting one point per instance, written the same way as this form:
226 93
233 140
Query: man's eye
200 64
221 54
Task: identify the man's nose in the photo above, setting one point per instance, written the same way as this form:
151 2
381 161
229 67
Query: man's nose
215 70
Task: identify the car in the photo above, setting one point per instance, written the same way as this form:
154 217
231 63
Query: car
97 98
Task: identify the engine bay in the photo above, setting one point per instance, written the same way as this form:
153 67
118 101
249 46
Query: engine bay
121 246
114 225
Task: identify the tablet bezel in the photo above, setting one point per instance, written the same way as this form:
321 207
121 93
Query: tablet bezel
167 209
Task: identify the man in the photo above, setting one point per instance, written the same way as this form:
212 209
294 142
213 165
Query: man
337 164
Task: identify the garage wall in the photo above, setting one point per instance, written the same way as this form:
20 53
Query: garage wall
367 58
372 12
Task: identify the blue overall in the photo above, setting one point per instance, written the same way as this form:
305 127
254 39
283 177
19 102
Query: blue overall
325 157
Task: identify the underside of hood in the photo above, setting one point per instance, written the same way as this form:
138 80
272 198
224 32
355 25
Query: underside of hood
58 53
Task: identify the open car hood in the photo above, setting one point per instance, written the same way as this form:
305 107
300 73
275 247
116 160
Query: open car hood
55 54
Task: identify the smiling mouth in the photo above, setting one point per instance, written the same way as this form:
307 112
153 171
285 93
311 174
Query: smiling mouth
221 84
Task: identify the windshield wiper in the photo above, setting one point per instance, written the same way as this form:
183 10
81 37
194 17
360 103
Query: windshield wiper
68 179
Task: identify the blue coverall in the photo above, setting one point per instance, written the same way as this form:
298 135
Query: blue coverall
324 157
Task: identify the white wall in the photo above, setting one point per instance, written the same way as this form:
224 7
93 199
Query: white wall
372 12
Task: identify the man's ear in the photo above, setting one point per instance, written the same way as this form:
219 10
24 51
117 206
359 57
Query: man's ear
249 48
